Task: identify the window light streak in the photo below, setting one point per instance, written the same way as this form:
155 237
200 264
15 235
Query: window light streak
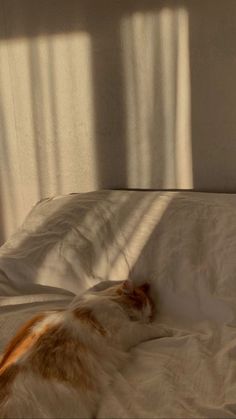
158 109
184 170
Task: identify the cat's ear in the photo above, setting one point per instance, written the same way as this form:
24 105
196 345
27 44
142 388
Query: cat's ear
145 287
128 287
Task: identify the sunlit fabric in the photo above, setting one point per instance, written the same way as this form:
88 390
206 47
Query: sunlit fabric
157 86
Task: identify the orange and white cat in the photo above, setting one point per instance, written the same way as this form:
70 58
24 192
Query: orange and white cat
60 362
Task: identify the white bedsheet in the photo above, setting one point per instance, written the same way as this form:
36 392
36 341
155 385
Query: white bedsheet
185 244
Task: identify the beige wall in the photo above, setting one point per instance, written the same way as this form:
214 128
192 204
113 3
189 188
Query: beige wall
114 94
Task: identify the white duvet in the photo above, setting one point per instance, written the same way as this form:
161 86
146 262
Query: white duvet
185 244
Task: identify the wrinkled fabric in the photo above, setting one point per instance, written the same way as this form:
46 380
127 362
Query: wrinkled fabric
184 243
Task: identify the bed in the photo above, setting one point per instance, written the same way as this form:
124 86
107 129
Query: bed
184 243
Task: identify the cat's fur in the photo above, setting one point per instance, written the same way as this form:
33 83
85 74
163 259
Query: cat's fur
60 362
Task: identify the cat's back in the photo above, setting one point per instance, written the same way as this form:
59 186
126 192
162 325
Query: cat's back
56 359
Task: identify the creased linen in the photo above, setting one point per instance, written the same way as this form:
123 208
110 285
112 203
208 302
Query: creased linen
184 243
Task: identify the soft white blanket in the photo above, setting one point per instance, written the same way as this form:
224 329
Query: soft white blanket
185 244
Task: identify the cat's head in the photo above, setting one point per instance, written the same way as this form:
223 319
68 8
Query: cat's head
135 300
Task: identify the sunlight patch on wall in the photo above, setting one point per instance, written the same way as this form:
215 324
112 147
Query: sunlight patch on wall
71 109
60 68
184 167
167 62
157 85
